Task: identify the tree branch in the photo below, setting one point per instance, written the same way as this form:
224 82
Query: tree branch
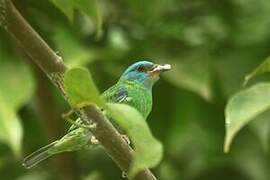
12 21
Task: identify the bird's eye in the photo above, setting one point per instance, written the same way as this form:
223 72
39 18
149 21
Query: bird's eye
141 68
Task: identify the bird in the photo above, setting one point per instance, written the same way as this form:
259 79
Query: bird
133 88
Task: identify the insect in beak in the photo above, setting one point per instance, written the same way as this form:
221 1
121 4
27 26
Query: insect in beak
157 69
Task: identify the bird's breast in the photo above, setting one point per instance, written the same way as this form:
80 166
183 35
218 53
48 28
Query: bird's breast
140 98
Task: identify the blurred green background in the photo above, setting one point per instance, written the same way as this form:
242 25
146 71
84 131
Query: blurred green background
211 45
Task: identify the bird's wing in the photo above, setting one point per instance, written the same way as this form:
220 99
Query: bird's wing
115 94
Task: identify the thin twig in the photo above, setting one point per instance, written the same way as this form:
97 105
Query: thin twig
35 47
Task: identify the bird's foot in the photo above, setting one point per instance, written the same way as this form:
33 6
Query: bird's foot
94 140
66 116
126 138
124 174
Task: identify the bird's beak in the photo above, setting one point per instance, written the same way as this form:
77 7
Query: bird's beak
160 68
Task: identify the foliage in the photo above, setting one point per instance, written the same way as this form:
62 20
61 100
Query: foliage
262 68
16 88
212 46
148 150
87 7
80 88
65 41
244 107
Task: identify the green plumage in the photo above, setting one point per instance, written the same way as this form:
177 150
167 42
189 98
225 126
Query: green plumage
132 93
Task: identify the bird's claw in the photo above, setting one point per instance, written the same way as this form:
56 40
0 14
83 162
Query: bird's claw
94 140
124 174
66 116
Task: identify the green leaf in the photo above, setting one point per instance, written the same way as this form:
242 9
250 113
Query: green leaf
148 150
244 107
81 89
88 7
262 68
10 128
66 6
16 88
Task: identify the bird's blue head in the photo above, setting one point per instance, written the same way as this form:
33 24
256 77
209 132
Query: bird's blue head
144 72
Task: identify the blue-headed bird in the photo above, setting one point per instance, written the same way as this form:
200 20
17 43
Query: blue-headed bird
133 88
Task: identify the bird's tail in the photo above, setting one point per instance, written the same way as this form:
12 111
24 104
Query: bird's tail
38 156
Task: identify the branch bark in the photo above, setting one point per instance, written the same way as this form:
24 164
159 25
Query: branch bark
53 66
